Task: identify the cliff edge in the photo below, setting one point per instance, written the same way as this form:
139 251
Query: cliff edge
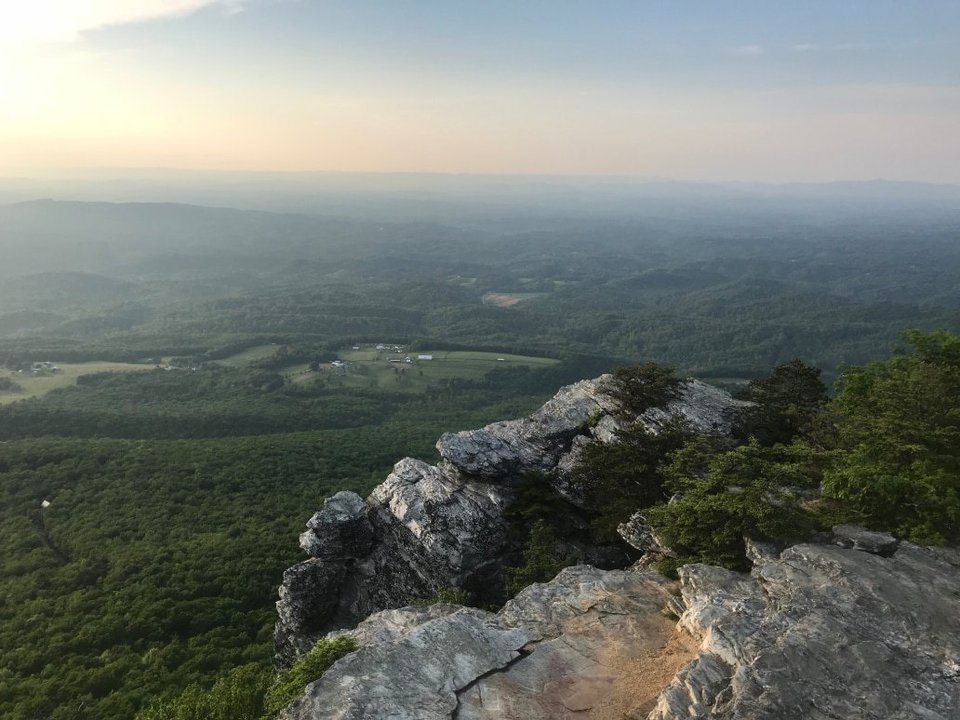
857 625
431 527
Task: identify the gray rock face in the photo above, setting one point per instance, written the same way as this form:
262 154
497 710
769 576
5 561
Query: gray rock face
534 443
455 523
340 530
822 632
553 652
304 606
816 632
428 527
638 534
538 442
857 538
704 408
413 676
423 529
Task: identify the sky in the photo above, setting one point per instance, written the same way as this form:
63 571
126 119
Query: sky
701 90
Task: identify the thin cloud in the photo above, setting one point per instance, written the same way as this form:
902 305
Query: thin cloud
46 21
805 47
747 50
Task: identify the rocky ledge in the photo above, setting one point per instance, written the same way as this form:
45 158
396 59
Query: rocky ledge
822 632
814 632
430 527
557 650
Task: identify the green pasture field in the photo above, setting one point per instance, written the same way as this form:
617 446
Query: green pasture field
251 354
40 384
507 300
370 368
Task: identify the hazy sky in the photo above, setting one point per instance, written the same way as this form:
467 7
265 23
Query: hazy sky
711 90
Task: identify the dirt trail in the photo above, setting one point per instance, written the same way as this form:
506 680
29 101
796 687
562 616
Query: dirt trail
641 678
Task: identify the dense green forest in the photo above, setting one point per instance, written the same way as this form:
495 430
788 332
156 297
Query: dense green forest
157 561
178 482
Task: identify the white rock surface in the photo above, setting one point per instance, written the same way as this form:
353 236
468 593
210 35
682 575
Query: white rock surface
445 662
823 633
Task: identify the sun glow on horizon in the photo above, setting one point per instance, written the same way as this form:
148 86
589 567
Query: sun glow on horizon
148 83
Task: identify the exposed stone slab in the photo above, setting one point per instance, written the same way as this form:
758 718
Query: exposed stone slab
415 675
857 538
607 649
340 530
705 409
457 524
555 651
823 632
533 443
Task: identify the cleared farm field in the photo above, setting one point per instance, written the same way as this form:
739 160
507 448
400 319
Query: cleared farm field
251 354
506 300
372 368
38 385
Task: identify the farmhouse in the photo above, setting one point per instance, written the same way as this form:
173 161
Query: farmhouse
424 357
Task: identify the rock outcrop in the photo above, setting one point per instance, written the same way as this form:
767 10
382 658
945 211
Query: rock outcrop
430 527
814 632
857 625
557 650
822 632
534 443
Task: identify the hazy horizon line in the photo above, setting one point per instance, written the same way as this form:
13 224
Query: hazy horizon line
77 173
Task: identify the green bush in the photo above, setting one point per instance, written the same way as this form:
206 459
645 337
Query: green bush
542 556
900 433
618 479
787 402
251 692
289 684
750 491
446 596
236 696
642 387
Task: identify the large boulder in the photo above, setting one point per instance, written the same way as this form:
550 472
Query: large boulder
533 443
822 632
704 409
423 529
339 531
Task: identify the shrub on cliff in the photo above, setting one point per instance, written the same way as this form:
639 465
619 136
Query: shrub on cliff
899 431
786 404
251 692
542 559
289 684
238 695
619 478
749 491
642 387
